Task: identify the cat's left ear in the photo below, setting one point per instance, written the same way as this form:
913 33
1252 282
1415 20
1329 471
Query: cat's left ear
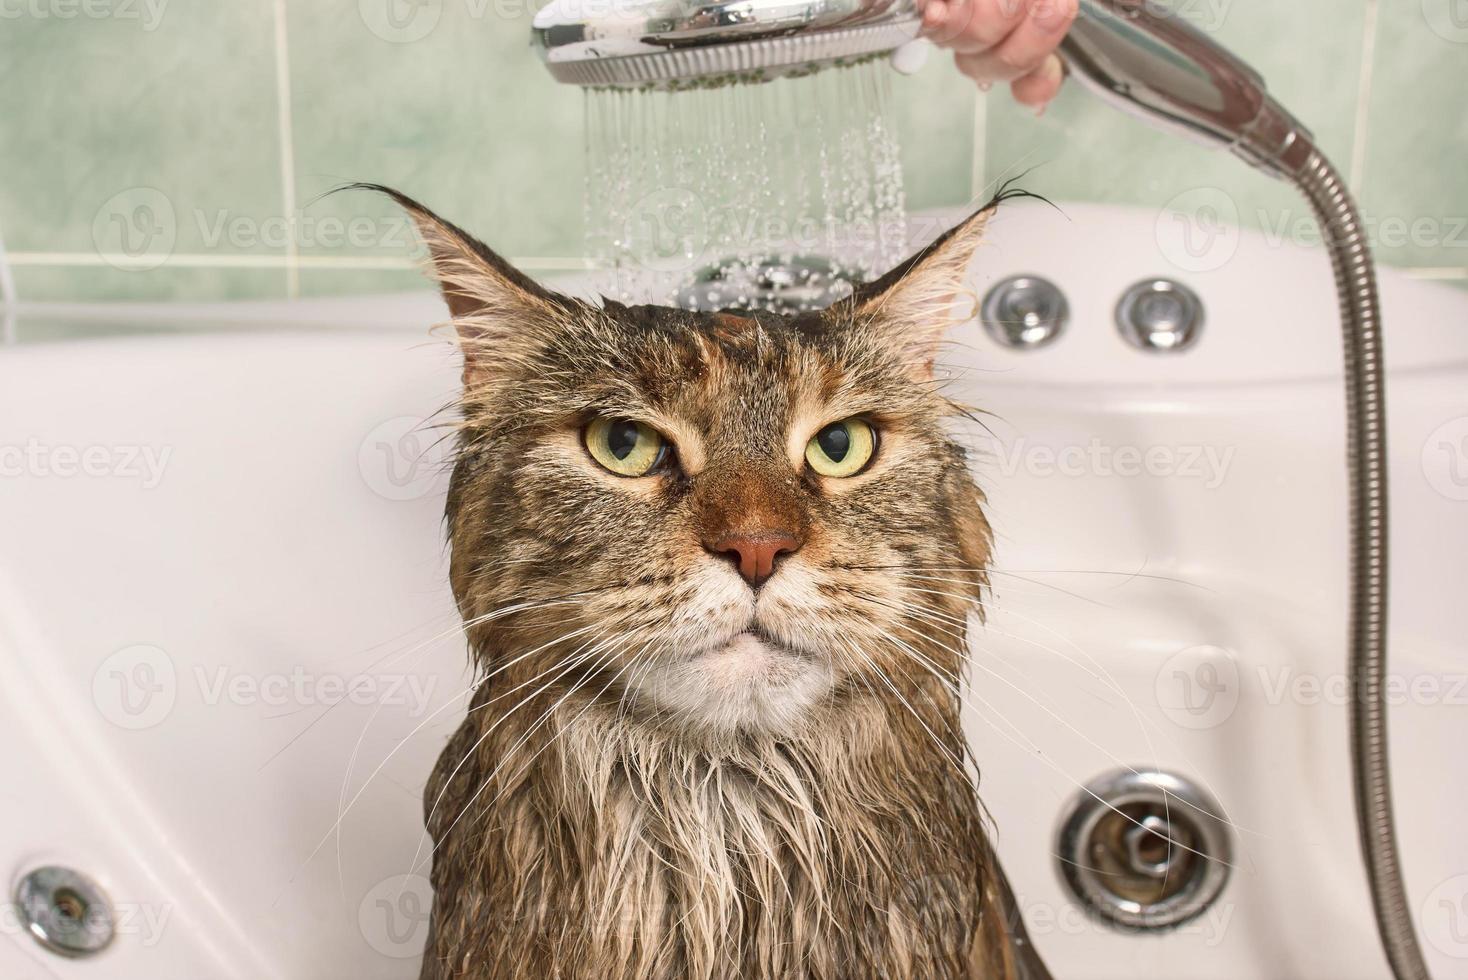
494 305
912 306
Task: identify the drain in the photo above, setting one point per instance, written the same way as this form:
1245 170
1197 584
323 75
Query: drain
65 911
1144 850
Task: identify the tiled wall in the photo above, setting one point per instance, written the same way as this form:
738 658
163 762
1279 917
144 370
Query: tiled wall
175 149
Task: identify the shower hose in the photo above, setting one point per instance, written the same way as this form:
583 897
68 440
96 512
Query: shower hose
1355 277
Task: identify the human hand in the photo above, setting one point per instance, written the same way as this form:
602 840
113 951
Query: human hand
1010 41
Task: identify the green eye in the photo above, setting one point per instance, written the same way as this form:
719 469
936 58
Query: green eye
841 448
625 447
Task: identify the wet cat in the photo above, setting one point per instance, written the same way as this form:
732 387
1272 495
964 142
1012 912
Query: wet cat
716 571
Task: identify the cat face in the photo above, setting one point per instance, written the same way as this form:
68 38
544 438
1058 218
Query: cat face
731 523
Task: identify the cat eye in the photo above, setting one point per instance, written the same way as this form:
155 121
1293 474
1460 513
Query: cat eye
625 447
842 448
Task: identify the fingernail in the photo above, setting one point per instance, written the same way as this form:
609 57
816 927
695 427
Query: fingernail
1050 14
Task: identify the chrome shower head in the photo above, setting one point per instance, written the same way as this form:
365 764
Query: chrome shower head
1148 63
680 44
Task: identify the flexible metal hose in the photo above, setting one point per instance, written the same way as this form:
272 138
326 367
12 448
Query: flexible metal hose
1355 276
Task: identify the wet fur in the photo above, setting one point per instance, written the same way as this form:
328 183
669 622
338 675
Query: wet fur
620 804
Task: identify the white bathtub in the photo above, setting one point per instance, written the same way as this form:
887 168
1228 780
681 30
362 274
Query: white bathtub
206 536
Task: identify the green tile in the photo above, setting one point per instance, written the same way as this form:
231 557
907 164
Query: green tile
935 124
1082 149
129 134
349 282
169 282
453 109
1415 188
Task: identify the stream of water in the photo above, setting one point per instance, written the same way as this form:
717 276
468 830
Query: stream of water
716 182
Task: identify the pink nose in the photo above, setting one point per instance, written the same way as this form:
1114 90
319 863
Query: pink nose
755 552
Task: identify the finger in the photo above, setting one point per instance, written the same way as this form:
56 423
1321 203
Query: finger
971 26
935 15
1027 46
1041 85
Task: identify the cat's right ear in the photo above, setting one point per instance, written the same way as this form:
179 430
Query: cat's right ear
494 306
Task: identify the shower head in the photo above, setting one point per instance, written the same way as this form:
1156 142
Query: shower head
682 44
1147 62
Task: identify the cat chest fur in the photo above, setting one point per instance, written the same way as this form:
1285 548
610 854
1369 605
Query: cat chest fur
614 855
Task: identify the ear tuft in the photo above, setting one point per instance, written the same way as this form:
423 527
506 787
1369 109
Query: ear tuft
489 300
924 287
918 300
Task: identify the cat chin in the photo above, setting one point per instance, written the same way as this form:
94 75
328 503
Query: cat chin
747 685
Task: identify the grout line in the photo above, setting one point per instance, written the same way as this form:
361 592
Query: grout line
329 263
286 140
976 182
1357 172
142 263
